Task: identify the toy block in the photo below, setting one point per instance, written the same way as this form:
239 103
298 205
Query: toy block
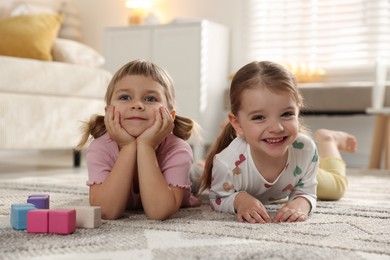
41 201
38 221
87 216
62 221
18 216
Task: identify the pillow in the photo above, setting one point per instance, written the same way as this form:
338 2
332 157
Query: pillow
29 36
76 53
71 26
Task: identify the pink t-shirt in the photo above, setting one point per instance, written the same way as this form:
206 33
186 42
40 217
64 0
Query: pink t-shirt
174 156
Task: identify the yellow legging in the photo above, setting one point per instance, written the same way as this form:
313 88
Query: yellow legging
331 177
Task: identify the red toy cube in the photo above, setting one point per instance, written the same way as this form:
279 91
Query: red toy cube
62 221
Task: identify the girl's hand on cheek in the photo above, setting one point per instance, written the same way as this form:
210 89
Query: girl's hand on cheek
162 126
112 120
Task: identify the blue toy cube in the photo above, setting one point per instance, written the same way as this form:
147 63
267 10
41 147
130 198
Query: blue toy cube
18 216
41 201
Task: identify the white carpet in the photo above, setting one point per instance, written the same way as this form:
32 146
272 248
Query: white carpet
356 227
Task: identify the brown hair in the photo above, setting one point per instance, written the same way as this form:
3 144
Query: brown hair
258 74
96 127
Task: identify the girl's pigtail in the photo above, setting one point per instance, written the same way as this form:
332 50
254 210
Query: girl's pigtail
183 127
225 138
94 127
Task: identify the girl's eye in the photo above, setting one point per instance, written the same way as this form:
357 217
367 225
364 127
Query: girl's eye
124 97
150 99
288 114
258 117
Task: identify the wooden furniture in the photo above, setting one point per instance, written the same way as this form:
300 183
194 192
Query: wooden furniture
195 54
380 149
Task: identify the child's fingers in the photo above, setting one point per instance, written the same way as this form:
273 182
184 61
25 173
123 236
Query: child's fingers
108 118
246 217
158 131
112 120
286 214
108 114
264 214
281 215
297 217
240 218
256 216
166 123
158 118
253 216
166 116
117 120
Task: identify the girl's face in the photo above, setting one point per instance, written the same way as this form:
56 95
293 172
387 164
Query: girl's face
137 98
268 121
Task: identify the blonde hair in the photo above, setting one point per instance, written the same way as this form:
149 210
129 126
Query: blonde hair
258 74
95 127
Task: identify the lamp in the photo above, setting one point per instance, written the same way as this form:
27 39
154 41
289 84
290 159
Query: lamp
138 10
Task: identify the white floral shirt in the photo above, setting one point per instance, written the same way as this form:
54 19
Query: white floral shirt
234 171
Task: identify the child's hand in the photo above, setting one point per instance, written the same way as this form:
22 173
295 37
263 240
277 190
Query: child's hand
250 209
293 211
162 126
112 120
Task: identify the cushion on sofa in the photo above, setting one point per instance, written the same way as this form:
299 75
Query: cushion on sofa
29 36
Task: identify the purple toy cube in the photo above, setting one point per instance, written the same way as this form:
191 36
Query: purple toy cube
62 221
18 216
41 201
38 221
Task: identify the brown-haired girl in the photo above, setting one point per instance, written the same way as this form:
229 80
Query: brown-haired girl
261 156
272 80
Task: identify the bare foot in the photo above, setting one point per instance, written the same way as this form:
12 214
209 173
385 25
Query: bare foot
344 141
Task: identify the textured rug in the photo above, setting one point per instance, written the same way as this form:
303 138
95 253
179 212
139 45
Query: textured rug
356 227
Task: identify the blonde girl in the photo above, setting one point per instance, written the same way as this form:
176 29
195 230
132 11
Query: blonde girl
138 157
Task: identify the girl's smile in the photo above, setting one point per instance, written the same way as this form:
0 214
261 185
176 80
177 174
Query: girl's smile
275 141
135 118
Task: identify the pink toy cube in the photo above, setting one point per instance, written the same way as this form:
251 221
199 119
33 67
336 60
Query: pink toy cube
38 221
62 221
41 201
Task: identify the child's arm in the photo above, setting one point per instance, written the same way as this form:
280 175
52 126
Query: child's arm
159 199
112 195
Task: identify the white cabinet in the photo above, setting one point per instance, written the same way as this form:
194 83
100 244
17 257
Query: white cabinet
195 54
